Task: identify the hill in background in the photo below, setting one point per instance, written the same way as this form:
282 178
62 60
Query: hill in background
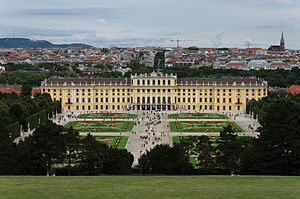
28 43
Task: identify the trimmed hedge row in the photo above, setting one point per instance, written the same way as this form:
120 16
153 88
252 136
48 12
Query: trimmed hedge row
14 130
33 120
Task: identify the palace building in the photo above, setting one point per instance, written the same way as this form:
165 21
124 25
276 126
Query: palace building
154 91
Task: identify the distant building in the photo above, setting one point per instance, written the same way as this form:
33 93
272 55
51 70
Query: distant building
295 89
16 89
258 64
281 47
236 65
279 65
11 89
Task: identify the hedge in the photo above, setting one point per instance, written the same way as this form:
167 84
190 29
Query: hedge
33 120
14 129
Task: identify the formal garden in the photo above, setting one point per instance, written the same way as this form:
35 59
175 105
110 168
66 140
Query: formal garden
108 115
101 126
202 126
118 142
197 116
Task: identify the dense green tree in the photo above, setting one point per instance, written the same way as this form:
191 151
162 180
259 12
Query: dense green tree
205 152
72 142
188 144
26 90
16 111
228 154
279 139
8 160
92 157
163 159
45 146
118 161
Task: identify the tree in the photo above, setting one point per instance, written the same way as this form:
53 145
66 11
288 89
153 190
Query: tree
8 160
48 141
188 144
72 145
118 161
205 152
228 155
26 90
163 159
92 157
279 140
16 111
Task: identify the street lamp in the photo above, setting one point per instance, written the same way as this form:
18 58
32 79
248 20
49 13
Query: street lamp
150 166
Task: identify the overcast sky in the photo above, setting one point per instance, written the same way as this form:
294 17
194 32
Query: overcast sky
211 23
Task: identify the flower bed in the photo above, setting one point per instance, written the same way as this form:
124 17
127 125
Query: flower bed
101 126
107 116
197 116
202 126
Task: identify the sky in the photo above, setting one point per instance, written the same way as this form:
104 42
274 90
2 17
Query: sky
136 23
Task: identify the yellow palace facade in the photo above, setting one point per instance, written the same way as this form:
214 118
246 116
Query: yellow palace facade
154 91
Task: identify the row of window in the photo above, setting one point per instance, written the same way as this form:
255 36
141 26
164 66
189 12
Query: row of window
154 90
154 100
101 107
154 82
210 107
189 107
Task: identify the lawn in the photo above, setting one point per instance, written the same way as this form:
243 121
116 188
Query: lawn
197 116
113 141
101 126
213 139
107 116
202 126
187 187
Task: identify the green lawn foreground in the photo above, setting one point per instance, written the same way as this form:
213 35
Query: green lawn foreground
187 187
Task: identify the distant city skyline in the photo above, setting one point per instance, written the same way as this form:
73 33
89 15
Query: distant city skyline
131 23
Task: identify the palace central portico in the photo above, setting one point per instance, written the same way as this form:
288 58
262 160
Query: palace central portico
154 91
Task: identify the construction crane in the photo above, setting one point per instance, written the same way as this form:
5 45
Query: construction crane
180 40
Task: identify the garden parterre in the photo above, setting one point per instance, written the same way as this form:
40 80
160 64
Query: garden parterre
101 126
197 116
107 116
202 126
113 141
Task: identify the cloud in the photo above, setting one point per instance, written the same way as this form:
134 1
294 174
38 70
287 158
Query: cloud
271 2
217 40
282 25
101 21
72 11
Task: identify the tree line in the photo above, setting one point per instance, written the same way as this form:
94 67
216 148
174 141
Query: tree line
275 78
53 144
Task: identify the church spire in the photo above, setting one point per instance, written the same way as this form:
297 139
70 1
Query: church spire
282 47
